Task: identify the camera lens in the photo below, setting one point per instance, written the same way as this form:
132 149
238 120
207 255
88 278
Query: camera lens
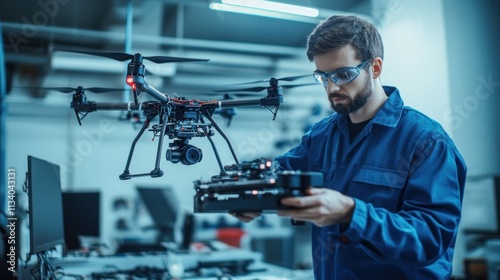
173 155
191 155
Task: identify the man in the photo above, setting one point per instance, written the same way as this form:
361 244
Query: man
393 179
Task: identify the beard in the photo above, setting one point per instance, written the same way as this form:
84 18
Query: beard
352 105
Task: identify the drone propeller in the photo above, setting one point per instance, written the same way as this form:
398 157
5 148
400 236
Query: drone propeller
70 89
258 89
273 82
287 79
125 56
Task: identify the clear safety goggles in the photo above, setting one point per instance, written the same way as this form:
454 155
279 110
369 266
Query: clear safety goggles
340 76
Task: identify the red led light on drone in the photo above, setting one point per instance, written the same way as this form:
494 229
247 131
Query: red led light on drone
130 82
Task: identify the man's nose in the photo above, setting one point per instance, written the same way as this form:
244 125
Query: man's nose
332 87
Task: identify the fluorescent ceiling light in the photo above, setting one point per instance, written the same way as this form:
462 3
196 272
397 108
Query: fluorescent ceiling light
268 9
274 6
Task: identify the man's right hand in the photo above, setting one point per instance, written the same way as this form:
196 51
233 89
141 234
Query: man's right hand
245 216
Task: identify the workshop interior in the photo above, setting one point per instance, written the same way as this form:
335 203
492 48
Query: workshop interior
130 130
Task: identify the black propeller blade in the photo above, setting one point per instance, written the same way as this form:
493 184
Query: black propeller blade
288 79
70 89
103 90
125 56
258 89
272 81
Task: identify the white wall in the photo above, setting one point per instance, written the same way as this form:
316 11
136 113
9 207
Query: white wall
473 58
415 55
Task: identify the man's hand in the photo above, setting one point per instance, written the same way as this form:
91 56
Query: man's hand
245 216
320 206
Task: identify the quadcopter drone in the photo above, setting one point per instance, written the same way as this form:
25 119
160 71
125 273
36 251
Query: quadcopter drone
179 118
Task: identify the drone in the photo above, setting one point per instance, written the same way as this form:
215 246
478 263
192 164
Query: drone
179 118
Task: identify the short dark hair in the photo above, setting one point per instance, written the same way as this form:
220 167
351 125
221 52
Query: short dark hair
338 31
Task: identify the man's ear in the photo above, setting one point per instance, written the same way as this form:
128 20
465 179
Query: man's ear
377 67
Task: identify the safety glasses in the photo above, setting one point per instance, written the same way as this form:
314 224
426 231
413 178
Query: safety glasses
339 77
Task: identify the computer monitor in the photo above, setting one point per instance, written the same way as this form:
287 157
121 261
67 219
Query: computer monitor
46 228
163 207
81 217
481 205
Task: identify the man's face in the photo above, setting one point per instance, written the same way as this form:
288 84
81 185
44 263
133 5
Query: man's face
350 97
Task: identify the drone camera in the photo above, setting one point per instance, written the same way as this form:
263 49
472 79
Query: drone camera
185 153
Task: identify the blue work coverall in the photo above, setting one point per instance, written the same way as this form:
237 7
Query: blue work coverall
407 180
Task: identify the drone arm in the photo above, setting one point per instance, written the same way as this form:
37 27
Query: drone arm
239 103
266 101
154 93
269 101
91 106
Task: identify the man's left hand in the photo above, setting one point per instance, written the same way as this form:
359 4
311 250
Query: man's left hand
320 206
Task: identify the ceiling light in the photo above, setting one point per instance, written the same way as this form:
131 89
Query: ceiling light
268 9
274 6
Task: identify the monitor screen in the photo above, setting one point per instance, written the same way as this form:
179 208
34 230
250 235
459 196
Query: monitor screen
81 217
45 205
163 206
481 205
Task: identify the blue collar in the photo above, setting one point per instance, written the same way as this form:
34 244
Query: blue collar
390 113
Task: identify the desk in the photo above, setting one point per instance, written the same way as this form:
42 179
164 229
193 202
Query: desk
275 243
85 267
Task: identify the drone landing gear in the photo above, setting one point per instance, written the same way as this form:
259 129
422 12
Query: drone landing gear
156 172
